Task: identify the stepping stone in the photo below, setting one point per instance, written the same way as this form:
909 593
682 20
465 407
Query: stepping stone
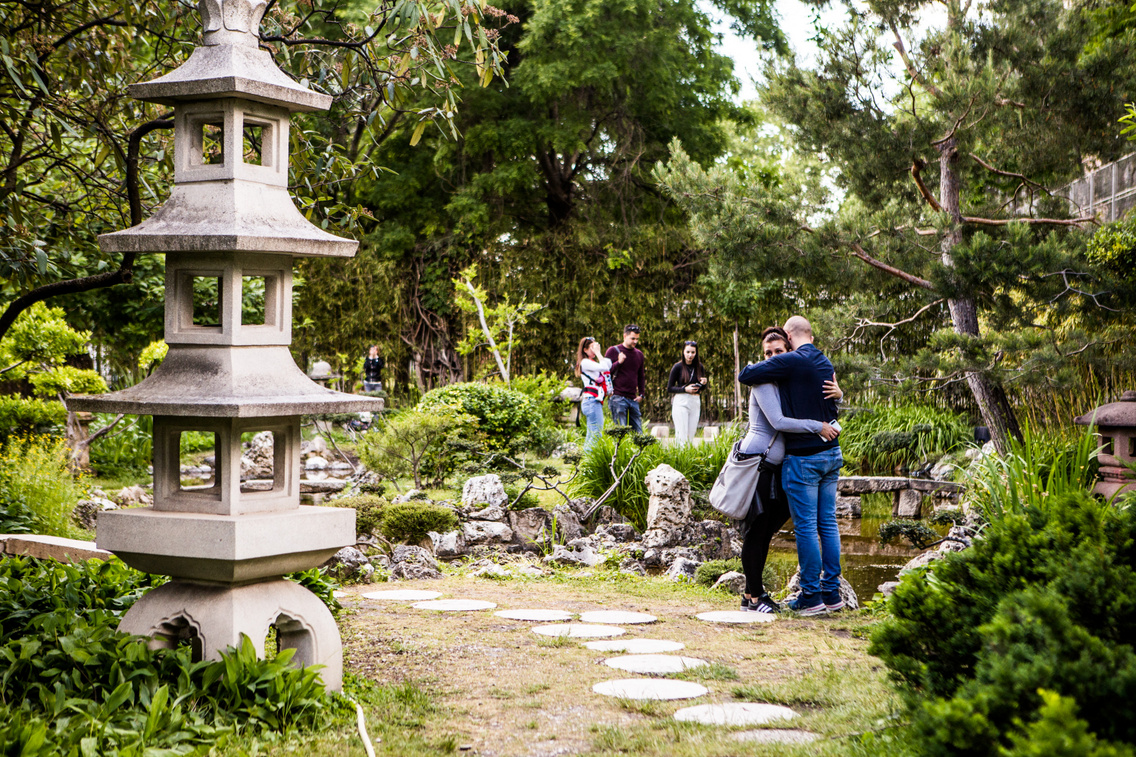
736 616
579 631
403 595
654 664
735 713
455 605
650 688
618 617
777 736
636 646
339 594
545 615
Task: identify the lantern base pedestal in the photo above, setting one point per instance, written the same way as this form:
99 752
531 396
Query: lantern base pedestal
213 618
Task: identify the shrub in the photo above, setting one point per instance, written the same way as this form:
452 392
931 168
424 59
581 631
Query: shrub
25 416
74 685
544 390
510 420
420 443
1043 601
877 440
410 521
368 511
128 448
36 482
711 570
699 463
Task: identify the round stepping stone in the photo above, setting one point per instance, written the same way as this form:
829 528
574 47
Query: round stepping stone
736 616
339 594
545 615
455 605
636 646
579 631
777 736
654 664
403 595
650 688
735 713
617 617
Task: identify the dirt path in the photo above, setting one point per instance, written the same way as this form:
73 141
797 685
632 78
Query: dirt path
509 692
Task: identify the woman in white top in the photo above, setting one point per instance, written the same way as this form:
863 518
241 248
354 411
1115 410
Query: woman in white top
595 370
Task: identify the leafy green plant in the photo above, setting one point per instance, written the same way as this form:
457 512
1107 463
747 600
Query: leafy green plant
699 463
711 570
877 440
420 442
368 511
35 480
127 449
20 415
1042 601
1036 467
510 420
411 521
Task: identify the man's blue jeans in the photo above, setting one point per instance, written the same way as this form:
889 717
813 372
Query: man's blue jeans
810 485
625 412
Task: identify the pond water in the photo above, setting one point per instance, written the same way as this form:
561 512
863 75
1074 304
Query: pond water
864 561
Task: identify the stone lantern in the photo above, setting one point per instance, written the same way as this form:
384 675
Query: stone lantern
1116 424
229 223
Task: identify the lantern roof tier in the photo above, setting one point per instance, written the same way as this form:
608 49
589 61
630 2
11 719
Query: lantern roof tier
1118 414
228 216
230 382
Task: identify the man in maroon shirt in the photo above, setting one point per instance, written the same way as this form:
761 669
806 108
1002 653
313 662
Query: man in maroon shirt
628 378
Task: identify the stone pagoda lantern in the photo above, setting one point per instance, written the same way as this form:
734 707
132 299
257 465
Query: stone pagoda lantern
229 219
1116 424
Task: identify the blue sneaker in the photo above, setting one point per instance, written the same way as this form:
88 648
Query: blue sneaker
832 600
808 605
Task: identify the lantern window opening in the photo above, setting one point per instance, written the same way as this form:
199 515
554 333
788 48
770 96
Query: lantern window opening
258 142
1106 444
1132 447
212 143
259 298
208 292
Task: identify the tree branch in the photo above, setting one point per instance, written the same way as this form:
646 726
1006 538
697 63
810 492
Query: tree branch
859 252
917 166
911 70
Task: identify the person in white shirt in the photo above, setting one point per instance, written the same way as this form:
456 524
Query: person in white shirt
595 370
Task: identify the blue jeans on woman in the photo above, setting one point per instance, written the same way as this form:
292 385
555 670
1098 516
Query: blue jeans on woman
593 413
810 484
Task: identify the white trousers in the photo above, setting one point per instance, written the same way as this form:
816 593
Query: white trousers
685 409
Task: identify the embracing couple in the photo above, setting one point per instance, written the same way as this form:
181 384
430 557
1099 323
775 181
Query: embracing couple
792 419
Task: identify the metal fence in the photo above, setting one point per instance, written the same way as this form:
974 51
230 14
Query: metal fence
1107 193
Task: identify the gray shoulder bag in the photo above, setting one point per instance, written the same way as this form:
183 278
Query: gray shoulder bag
732 494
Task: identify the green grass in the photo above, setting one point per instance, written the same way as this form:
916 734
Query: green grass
877 440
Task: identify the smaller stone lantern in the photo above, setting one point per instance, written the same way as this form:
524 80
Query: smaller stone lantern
1116 424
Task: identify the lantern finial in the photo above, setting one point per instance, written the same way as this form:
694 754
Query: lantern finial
231 22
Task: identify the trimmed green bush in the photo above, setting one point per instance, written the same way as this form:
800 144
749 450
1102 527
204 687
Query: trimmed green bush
409 522
1044 601
368 511
510 420
23 416
711 570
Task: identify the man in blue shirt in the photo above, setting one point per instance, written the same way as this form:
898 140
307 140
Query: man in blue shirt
812 464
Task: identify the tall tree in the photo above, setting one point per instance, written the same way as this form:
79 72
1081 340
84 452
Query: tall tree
1005 100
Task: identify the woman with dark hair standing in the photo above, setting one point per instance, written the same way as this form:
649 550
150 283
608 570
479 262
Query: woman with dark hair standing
685 382
595 370
770 508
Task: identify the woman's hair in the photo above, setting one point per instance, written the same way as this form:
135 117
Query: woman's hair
693 372
775 334
580 354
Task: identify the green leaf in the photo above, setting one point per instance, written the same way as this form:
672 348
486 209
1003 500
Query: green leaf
418 130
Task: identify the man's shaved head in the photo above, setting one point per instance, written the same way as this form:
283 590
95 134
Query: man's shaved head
798 328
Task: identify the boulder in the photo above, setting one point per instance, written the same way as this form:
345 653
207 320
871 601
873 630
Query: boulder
315 462
666 557
848 507
484 490
493 512
349 563
531 526
620 532
568 448
492 570
669 503
682 569
567 523
318 445
887 588
944 470
411 563
607 515
908 503
414 495
448 545
486 532
581 506
657 538
529 570
712 537
129 496
733 582
585 556
919 561
632 566
86 512
258 457
847 593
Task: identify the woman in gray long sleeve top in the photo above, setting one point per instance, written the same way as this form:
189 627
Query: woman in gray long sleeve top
770 509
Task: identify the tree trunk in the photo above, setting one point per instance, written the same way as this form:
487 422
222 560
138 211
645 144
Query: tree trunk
993 404
737 370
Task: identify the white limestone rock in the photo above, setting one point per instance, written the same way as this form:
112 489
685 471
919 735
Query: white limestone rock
682 570
486 532
315 462
669 504
448 545
494 513
531 526
480 491
732 581
847 593
413 563
585 556
567 523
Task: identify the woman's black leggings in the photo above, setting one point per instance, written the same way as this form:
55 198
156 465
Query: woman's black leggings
760 529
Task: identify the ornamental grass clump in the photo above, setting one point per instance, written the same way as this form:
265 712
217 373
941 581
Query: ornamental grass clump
878 440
